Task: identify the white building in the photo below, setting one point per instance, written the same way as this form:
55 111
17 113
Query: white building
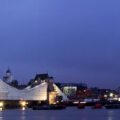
37 93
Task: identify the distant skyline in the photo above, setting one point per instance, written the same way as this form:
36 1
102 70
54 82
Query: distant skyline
73 41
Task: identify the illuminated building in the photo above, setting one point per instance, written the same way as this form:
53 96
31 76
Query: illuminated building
40 78
37 93
71 89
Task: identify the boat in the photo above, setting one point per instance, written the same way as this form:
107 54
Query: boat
112 106
49 107
97 106
81 106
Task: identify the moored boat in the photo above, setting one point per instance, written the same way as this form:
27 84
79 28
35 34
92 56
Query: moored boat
49 107
97 106
112 106
81 106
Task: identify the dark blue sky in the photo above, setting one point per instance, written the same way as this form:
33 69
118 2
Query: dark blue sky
72 40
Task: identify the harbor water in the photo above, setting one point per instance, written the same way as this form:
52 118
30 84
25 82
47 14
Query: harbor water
71 113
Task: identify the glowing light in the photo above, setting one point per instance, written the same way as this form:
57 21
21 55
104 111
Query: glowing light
23 103
23 108
84 90
111 94
118 99
1 104
36 81
83 102
57 101
76 102
52 96
105 96
1 109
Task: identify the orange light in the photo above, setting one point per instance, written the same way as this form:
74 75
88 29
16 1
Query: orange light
23 103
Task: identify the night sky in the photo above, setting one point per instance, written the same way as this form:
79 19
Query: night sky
72 40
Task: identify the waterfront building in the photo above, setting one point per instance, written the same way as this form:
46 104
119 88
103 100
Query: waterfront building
71 89
41 89
102 94
84 93
40 78
37 93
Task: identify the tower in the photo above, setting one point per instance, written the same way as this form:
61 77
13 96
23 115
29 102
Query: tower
8 77
8 72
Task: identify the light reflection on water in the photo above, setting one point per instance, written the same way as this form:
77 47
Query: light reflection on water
68 114
23 116
110 114
1 116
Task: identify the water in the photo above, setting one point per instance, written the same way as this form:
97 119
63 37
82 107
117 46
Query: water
68 114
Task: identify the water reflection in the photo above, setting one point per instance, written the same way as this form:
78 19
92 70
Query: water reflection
23 115
110 114
68 114
53 118
1 116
